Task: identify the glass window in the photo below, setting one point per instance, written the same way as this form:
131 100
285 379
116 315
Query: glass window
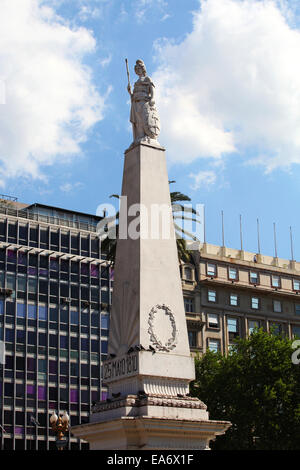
94 271
213 320
10 308
53 314
212 296
22 284
74 343
21 336
64 290
252 324
31 337
54 238
189 304
63 394
84 396
54 264
275 281
2 279
64 368
297 309
277 306
296 284
1 307
31 364
53 367
74 395
253 277
64 314
276 328
10 281
43 287
64 342
42 392
234 300
84 245
32 285
42 364
192 338
84 344
95 295
74 317
11 256
53 341
188 273
255 303
104 296
21 310
31 391
104 347
296 331
43 314
214 345
232 273
104 321
232 325
211 269
74 369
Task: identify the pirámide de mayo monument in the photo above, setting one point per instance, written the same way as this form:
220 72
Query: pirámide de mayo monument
149 365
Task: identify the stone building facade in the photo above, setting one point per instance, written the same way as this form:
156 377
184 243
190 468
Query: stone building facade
227 293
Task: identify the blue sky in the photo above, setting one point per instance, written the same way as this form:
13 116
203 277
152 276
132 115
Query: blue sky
227 77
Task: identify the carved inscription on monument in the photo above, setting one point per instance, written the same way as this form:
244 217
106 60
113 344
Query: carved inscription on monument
120 367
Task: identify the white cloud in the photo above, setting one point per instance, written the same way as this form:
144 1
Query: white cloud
68 187
51 101
203 179
106 61
144 8
232 85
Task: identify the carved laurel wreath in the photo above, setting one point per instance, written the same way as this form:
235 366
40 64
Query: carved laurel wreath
171 343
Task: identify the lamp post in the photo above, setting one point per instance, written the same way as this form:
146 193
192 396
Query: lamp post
60 425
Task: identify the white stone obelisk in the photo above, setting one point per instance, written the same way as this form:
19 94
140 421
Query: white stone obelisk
149 366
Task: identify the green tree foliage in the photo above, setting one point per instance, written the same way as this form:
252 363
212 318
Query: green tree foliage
256 387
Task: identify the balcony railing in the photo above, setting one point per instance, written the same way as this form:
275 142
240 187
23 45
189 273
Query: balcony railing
26 214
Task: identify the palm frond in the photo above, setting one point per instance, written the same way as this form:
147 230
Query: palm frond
177 196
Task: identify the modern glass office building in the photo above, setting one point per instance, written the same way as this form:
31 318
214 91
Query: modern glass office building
55 293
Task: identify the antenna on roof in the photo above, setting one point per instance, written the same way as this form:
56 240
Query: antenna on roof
204 224
258 237
223 238
241 233
275 241
292 249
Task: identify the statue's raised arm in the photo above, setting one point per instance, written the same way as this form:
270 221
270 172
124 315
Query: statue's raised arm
143 114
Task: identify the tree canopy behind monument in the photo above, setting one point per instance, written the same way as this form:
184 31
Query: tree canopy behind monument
256 387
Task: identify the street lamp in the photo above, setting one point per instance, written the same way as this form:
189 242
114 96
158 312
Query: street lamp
60 425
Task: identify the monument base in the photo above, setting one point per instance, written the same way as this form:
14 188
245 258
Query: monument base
150 423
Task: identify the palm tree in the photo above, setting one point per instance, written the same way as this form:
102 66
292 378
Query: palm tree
179 213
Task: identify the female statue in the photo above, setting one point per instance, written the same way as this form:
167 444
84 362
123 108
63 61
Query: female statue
143 114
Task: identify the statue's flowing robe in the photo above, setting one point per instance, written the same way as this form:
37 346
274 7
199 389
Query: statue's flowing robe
142 115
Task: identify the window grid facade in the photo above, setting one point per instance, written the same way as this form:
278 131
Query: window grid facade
54 319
